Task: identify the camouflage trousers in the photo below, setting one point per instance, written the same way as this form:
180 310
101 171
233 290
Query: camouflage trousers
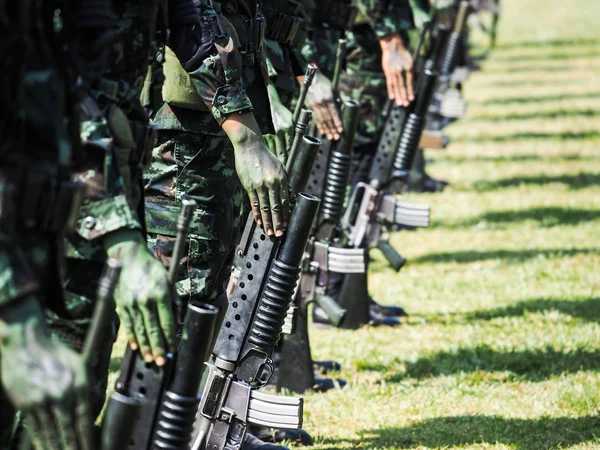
200 167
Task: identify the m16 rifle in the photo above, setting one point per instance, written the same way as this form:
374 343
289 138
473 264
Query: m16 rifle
253 322
373 208
448 104
170 393
122 411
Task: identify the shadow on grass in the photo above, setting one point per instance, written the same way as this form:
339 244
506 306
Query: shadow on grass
542 433
561 136
592 53
471 256
545 217
525 82
587 310
581 180
557 114
534 68
510 158
551 43
531 365
543 99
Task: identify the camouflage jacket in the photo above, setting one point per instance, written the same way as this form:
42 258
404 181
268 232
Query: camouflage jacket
226 68
287 30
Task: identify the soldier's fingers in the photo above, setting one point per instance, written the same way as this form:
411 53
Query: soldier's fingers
36 430
84 420
276 210
333 134
337 119
255 204
389 82
127 322
323 115
410 91
265 210
285 206
401 89
140 333
65 424
167 323
154 331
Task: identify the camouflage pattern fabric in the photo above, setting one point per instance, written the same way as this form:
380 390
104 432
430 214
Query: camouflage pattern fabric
195 158
200 167
364 80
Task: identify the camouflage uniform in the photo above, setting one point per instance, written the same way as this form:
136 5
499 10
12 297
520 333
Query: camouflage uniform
195 158
38 153
364 80
287 30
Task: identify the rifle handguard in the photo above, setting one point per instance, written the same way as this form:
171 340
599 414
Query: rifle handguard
447 64
177 412
338 172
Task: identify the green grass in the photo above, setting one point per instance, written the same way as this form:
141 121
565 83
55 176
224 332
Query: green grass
502 347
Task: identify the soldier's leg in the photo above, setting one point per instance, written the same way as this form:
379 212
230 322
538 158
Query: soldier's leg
200 167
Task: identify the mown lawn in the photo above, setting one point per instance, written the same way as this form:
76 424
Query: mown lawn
502 347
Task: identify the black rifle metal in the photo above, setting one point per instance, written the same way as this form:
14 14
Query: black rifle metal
123 411
171 392
328 179
252 325
306 83
447 103
373 207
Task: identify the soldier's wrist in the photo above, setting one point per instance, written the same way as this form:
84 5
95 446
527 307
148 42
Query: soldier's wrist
391 42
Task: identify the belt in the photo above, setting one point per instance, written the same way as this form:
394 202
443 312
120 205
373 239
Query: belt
286 29
337 14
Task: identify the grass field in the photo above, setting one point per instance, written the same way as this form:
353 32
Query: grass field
502 347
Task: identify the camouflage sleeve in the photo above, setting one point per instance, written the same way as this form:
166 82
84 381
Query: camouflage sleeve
107 206
387 16
211 57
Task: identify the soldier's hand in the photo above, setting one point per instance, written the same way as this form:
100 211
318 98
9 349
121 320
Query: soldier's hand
45 380
397 66
283 122
325 111
262 175
144 300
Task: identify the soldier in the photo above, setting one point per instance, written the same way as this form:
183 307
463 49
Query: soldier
211 149
377 64
43 379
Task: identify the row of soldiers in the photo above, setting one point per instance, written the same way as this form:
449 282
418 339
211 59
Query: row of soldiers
143 134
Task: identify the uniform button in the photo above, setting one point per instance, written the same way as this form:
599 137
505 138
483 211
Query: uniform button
221 99
89 222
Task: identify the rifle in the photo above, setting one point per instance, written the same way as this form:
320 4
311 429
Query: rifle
448 104
373 208
122 411
253 323
170 392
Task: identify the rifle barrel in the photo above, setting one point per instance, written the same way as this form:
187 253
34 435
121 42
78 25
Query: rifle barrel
306 83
